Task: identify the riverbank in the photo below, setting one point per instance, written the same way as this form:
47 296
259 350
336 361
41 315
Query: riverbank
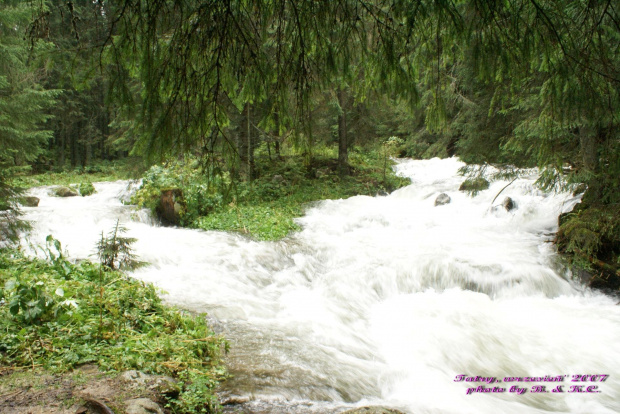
57 317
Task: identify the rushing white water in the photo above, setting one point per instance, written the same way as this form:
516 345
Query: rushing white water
382 300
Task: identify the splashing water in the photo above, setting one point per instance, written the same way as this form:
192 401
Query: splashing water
382 300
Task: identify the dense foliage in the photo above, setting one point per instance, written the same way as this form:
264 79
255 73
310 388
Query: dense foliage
518 82
265 207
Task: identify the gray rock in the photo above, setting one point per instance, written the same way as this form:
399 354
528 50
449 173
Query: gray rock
442 199
136 377
509 204
29 201
277 178
142 406
372 410
166 386
160 383
64 192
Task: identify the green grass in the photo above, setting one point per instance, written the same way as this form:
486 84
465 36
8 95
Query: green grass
266 219
56 315
127 168
271 221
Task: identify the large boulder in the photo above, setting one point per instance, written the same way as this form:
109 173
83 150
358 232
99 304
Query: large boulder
171 206
64 192
442 199
29 201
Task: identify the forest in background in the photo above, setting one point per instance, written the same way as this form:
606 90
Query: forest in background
241 86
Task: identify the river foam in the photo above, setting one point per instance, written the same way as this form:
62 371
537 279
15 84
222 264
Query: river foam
382 300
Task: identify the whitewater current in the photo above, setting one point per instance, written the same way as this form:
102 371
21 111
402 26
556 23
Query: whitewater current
387 300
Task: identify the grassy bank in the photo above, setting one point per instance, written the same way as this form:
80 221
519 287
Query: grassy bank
56 315
266 206
124 169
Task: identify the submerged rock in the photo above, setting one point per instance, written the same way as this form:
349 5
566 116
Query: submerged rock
442 199
29 201
372 410
509 204
64 192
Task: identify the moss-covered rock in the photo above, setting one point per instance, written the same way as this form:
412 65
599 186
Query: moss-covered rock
29 201
64 192
86 189
590 237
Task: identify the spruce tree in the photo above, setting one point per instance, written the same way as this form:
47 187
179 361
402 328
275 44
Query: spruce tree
23 105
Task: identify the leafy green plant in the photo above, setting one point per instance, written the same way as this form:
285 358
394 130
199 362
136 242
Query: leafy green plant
197 396
29 301
58 327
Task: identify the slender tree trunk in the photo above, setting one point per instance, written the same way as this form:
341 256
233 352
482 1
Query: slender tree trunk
73 147
62 143
276 117
103 121
343 145
251 143
245 144
587 141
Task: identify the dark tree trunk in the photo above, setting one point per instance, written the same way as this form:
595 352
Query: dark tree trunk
588 142
276 118
343 145
246 143
73 148
62 143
